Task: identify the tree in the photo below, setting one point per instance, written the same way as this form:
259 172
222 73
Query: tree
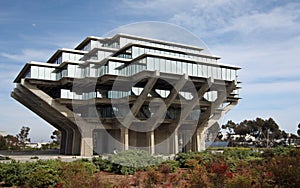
23 137
264 130
3 144
56 136
230 126
11 142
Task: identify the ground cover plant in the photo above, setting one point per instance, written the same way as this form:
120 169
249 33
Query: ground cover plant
277 167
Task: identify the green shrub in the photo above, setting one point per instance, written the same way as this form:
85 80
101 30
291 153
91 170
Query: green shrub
13 173
128 162
102 164
184 159
172 165
77 173
285 170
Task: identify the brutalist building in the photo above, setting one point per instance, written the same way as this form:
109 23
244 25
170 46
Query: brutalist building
129 92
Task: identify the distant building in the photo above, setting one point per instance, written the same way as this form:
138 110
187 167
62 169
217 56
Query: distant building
107 93
36 145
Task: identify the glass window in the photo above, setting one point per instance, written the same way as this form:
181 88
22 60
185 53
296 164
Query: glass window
41 72
233 75
209 71
195 70
156 64
47 73
163 65
184 67
65 56
204 70
200 73
173 67
134 52
34 72
71 70
223 74
150 63
228 72
219 72
179 67
168 66
63 93
190 69
52 74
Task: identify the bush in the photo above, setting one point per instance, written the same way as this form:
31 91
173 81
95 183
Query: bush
44 174
128 162
102 164
169 166
13 173
285 170
77 174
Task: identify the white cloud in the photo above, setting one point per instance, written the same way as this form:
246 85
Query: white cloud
284 19
262 60
28 55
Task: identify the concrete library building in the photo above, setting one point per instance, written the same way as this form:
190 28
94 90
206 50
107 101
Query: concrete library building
129 92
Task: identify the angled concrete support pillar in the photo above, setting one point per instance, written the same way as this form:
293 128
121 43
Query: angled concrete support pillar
160 113
140 101
63 142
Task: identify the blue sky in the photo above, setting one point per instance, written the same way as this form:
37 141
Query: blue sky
262 37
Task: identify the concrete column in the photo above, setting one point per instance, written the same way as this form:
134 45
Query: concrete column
152 143
198 137
126 139
86 148
201 134
176 141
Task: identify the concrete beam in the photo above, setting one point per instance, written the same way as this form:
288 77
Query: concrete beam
159 115
140 100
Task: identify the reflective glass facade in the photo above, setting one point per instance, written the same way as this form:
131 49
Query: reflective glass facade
133 56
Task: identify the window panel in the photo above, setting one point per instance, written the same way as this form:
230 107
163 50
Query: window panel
219 70
48 73
194 69
209 71
41 72
71 70
156 64
190 69
34 72
168 66
150 64
184 67
173 67
179 67
163 65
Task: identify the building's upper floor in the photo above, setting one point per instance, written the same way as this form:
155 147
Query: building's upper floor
126 55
